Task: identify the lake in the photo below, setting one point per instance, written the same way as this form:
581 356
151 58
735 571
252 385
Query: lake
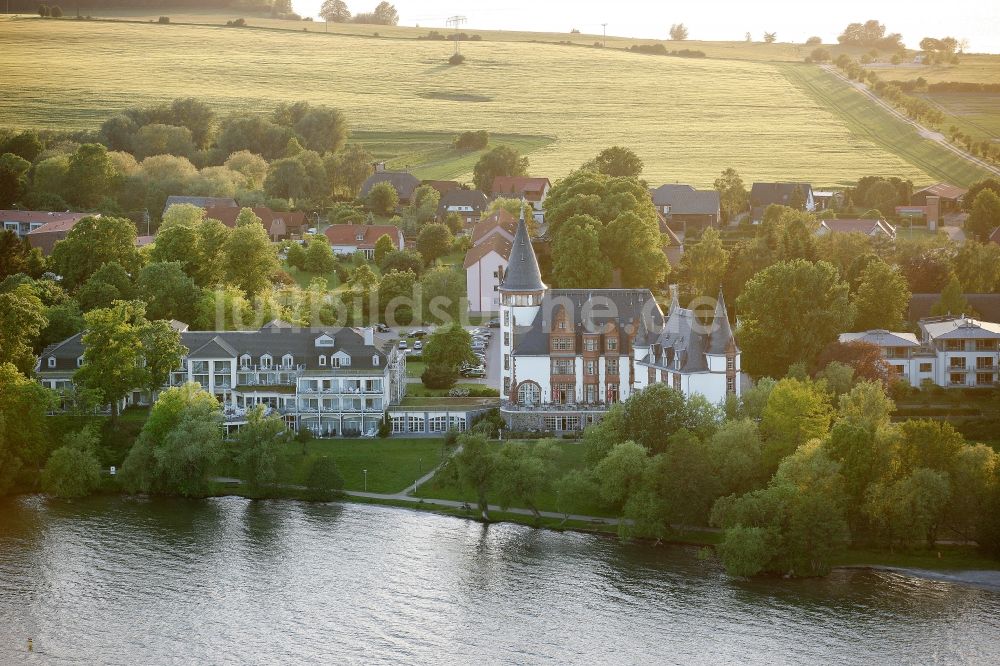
115 580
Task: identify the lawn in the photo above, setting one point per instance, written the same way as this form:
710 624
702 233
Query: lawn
687 118
872 125
392 463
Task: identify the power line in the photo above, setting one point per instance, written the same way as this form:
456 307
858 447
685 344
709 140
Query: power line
456 21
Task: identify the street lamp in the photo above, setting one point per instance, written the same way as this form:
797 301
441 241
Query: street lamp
366 479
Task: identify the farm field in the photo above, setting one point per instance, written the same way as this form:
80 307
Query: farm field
688 119
977 114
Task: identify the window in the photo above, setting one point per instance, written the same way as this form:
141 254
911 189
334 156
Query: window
437 424
563 393
926 367
590 368
561 344
954 345
956 378
375 360
564 423
612 344
416 423
590 344
287 360
590 393
562 325
612 393
506 386
265 361
612 366
731 363
957 362
984 362
398 424
245 361
984 378
986 345
677 381
506 317
898 369
730 384
563 366
335 362
322 359
79 361
506 339
506 361
52 361
528 393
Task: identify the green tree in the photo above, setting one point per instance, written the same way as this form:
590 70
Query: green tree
251 166
17 256
652 415
634 245
500 161
984 216
443 292
383 199
796 412
91 175
25 145
617 161
403 260
259 442
788 313
434 242
22 318
159 139
348 169
179 445
952 301
977 266
577 259
883 298
108 284
424 203
213 237
323 480
475 465
13 178
736 454
23 424
733 196
704 264
73 469
296 257
620 474
383 246
523 472
161 351
449 347
250 258
396 297
910 509
93 242
323 129
319 256
169 293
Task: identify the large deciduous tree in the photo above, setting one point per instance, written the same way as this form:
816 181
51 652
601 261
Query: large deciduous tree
335 11
22 318
250 258
883 298
91 176
434 241
704 264
617 161
733 195
93 242
13 178
23 424
577 259
984 216
500 161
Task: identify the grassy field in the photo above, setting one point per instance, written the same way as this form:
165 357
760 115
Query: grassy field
688 119
976 114
870 124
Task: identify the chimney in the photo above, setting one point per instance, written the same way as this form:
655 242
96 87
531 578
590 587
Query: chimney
369 334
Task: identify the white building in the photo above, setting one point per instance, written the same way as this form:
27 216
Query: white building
569 354
484 267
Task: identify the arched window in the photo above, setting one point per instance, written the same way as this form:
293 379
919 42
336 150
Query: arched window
528 393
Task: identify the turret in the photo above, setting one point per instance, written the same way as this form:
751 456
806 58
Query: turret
522 288
722 354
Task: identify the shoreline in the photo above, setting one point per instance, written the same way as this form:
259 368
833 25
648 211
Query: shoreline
983 579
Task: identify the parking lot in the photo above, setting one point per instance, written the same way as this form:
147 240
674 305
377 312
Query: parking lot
492 351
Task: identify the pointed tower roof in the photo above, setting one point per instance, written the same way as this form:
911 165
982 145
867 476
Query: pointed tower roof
722 333
522 272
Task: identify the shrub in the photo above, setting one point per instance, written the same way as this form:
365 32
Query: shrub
237 23
456 59
437 377
164 19
472 140
814 41
323 481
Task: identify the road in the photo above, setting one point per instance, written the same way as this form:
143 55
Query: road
929 134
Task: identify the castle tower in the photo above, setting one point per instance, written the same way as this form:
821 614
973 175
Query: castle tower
723 355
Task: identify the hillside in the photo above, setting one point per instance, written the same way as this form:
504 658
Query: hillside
687 118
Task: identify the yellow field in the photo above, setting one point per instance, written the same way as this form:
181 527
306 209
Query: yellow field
688 119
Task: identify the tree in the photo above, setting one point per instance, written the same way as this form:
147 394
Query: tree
952 301
650 416
910 509
704 264
992 184
25 145
323 129
108 284
395 293
434 242
250 258
449 347
383 247
770 37
73 469
246 131
617 161
335 11
296 257
348 169
251 166
17 256
424 203
213 237
500 161
577 259
796 412
159 139
977 266
323 480
634 245
820 55
733 195
23 424
443 292
178 446
523 472
883 298
93 242
403 260
984 216
22 318
789 312
13 178
169 293
91 175
475 465
620 474
678 32
259 441
161 352
383 199
319 256
386 14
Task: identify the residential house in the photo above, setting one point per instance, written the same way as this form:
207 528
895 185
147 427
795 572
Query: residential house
673 247
280 225
686 208
404 182
469 204
485 264
532 190
568 354
825 199
46 236
763 195
23 222
871 228
443 187
500 222
351 238
949 196
200 202
902 352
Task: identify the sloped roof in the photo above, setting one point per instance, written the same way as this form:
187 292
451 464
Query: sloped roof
686 200
495 243
943 190
442 186
272 220
200 202
214 348
498 220
882 338
765 194
522 272
867 227
347 234
960 328
404 183
531 188
721 338
41 216
473 198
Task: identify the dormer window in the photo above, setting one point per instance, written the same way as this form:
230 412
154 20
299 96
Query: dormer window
325 341
375 360
322 359
266 360
245 361
52 361
79 361
360 236
287 360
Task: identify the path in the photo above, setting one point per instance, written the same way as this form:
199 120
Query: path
926 133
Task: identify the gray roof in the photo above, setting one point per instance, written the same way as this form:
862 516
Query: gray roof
472 198
522 272
689 339
960 328
685 200
882 338
765 194
631 311
404 183
201 202
721 337
276 338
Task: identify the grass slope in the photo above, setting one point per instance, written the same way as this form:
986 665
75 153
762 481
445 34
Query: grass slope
869 122
688 119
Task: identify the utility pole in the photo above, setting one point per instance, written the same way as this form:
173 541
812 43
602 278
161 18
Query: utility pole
455 21
605 26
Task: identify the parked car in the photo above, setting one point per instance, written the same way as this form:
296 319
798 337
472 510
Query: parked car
478 346
402 344
419 333
381 328
493 323
418 345
473 371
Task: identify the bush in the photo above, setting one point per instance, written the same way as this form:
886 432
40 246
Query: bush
323 481
237 23
164 19
456 59
385 426
437 377
472 140
814 41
